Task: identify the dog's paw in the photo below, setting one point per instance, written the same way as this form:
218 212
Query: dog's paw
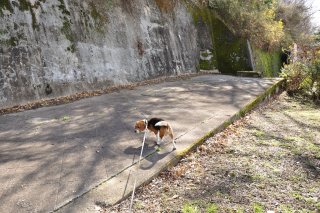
158 149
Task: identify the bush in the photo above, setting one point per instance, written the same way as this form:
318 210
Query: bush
303 75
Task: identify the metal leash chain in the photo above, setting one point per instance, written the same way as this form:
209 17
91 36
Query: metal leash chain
140 158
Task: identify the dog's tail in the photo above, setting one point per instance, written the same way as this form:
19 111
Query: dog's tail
162 123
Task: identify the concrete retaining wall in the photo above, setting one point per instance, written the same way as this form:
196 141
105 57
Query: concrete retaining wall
55 48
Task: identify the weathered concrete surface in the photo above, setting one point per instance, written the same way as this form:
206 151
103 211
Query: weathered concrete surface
51 155
54 48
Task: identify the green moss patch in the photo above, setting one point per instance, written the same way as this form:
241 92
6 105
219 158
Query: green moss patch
66 28
99 19
230 53
25 5
5 5
267 63
63 8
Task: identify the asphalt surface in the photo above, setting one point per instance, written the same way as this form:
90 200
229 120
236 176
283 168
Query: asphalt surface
51 155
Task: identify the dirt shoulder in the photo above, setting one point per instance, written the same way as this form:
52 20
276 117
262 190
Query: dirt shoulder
267 161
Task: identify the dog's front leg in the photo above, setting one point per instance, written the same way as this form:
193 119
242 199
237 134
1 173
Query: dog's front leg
158 138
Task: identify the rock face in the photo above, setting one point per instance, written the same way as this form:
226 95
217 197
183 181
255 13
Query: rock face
54 48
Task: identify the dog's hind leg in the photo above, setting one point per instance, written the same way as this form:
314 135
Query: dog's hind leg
172 138
161 134
173 142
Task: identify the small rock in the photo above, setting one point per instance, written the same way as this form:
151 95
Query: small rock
174 197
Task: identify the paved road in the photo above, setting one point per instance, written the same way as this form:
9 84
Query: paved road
51 155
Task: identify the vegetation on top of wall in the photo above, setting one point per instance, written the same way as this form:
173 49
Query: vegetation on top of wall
252 19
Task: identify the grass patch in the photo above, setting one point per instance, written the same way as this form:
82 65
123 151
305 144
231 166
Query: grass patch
190 208
138 205
65 118
212 208
258 208
259 134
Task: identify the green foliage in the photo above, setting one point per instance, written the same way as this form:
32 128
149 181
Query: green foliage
190 208
229 51
212 208
267 63
206 65
258 208
303 75
295 74
252 19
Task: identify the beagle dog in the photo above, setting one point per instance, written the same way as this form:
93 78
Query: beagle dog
158 126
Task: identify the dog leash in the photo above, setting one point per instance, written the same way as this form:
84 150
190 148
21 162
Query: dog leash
139 162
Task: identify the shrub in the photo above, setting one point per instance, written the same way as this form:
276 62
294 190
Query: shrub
303 75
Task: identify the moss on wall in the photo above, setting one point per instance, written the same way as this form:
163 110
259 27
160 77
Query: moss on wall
99 18
67 27
63 8
230 53
267 63
204 16
5 5
11 42
208 60
25 5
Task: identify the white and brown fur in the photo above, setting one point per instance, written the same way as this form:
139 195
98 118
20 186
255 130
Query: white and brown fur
158 126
